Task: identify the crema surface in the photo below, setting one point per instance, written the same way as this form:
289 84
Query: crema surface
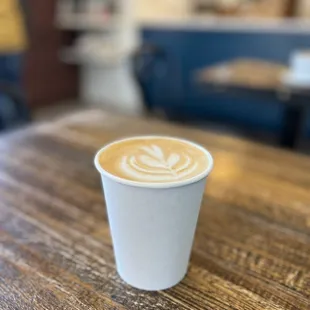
159 160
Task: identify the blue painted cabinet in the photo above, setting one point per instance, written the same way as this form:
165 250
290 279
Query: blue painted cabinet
164 83
173 87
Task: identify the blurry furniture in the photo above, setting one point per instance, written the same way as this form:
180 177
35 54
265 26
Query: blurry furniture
261 80
190 47
252 243
13 110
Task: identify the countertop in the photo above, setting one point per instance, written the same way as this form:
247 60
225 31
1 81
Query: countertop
230 24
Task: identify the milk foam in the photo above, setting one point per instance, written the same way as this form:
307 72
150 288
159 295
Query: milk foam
153 166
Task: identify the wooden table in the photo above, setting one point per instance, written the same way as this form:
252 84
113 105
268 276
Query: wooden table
252 247
295 106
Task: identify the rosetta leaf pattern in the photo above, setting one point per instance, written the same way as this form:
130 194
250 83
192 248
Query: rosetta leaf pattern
154 157
149 161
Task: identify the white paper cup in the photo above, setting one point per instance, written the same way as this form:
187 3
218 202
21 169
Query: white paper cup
153 225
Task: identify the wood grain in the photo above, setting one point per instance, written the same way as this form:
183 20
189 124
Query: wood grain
252 246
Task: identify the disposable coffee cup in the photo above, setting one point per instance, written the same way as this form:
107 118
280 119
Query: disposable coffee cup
153 224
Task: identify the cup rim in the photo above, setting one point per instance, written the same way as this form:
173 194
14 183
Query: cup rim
158 185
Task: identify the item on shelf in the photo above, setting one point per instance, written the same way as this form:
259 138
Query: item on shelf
82 6
246 8
227 7
96 7
149 9
81 14
303 8
264 8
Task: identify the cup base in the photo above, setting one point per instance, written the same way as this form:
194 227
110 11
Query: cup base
152 287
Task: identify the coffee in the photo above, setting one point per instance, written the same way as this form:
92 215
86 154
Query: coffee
154 160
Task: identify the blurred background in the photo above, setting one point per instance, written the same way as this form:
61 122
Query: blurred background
241 67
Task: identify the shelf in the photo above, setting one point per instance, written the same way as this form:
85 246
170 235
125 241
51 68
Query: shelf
229 24
106 58
86 22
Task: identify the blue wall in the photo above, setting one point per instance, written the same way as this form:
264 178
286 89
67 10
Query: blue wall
189 51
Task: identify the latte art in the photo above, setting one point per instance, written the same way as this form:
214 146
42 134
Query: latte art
159 160
154 166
